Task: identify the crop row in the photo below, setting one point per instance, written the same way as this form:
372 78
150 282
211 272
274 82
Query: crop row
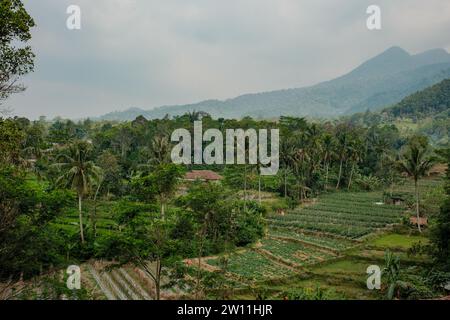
362 206
363 196
319 240
345 230
252 265
312 218
294 252
354 210
341 216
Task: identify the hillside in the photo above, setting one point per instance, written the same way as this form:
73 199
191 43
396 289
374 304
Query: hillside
425 112
426 103
378 82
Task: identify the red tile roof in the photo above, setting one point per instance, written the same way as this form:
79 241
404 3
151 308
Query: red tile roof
202 175
422 221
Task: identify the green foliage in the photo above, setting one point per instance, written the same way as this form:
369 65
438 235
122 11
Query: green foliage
422 104
11 137
440 235
316 293
160 184
15 25
27 241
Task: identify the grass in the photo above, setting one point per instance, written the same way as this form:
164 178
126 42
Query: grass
390 241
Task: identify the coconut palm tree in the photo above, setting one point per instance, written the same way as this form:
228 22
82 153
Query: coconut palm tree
356 154
287 153
343 140
327 154
416 163
78 173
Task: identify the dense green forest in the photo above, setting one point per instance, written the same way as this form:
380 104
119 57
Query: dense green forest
424 112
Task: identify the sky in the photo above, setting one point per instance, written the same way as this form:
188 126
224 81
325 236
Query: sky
148 53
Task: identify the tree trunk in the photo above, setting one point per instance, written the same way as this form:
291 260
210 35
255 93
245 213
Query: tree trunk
94 217
163 210
81 218
340 173
417 205
259 188
285 184
350 179
327 167
245 187
158 280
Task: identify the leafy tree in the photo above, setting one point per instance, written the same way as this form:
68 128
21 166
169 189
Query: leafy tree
111 169
440 235
11 138
144 241
161 184
15 25
28 244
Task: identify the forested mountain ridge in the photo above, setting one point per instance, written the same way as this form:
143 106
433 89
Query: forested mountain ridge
378 82
426 112
429 102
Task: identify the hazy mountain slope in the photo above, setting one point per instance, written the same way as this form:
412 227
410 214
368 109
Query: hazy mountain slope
380 81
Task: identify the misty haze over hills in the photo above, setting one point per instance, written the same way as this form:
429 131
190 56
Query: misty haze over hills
379 82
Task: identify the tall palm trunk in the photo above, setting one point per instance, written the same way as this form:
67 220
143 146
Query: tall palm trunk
94 216
327 168
350 179
340 173
285 184
259 188
417 204
81 217
245 187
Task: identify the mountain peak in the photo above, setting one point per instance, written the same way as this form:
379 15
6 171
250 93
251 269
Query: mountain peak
395 50
392 60
432 56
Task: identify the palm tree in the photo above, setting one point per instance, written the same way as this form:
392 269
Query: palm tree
356 152
416 164
327 154
79 173
343 141
287 152
160 149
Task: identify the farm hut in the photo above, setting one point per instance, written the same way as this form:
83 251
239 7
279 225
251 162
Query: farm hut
422 221
202 175
398 201
437 170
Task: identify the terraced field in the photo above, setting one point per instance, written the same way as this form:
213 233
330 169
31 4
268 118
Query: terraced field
313 234
105 224
124 283
252 265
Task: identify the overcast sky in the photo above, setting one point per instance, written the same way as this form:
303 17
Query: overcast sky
146 53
